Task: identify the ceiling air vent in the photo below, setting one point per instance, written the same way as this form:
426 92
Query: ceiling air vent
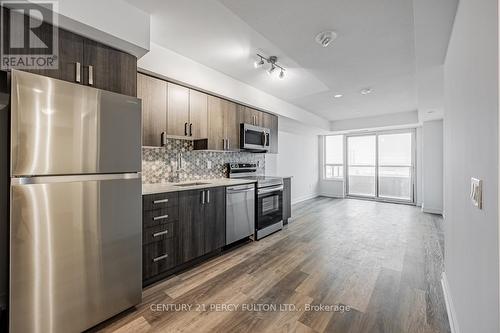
325 38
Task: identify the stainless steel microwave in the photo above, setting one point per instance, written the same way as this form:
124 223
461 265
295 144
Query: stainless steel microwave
254 138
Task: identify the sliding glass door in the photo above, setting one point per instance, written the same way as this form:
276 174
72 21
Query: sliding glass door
361 165
381 165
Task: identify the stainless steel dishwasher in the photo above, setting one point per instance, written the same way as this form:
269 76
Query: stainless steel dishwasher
240 212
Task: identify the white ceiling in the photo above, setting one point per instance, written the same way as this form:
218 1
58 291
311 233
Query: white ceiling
375 48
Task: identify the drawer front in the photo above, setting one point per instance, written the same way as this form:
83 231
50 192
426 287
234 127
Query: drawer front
159 233
158 257
160 216
160 200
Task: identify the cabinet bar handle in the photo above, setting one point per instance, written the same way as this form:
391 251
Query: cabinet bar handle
91 75
78 73
185 129
165 256
208 196
191 129
202 197
162 138
163 217
161 233
160 201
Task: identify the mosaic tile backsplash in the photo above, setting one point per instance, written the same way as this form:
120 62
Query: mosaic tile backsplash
159 165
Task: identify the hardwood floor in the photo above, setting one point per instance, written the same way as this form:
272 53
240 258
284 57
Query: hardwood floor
383 261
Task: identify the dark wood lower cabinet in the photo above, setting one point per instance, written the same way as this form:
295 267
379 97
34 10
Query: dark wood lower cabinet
159 257
287 199
195 228
191 220
214 226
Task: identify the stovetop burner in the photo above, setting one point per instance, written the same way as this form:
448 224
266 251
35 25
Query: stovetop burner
250 171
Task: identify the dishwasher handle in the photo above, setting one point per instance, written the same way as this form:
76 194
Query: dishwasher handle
232 190
240 188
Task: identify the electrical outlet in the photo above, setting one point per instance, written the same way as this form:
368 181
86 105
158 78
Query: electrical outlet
476 192
209 164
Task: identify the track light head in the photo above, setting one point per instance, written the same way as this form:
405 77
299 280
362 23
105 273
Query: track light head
282 74
259 63
271 70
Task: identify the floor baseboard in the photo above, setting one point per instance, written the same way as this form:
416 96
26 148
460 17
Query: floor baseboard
304 198
450 309
432 210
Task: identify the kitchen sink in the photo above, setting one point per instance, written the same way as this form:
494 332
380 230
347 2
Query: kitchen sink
191 184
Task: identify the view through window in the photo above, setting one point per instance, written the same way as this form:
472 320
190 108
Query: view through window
334 157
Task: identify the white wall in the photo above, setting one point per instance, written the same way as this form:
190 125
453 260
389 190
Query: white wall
297 158
432 166
471 150
418 167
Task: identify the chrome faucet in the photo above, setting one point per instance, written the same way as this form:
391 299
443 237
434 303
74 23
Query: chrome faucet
178 169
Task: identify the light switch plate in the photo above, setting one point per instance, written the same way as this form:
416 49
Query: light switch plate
476 192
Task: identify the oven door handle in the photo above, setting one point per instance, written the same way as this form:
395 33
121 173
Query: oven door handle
270 189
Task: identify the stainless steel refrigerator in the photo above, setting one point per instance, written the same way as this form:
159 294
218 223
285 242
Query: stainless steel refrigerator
75 226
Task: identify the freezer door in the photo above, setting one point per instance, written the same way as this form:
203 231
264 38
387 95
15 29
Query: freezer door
75 252
60 128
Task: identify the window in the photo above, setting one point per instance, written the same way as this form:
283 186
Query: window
334 157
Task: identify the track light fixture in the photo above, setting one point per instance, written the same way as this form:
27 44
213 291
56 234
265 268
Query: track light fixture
273 61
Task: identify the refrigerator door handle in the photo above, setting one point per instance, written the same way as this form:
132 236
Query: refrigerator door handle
72 178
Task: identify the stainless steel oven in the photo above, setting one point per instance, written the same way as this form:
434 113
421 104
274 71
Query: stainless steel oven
254 138
269 210
269 198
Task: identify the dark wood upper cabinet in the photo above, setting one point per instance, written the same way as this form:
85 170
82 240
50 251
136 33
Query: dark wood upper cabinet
250 116
231 125
216 131
198 114
271 121
223 126
178 110
70 47
109 69
112 69
69 58
153 93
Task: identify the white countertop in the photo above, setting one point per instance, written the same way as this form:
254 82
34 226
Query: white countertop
171 187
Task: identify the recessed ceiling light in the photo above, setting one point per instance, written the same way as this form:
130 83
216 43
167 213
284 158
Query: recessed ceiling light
324 38
338 96
366 91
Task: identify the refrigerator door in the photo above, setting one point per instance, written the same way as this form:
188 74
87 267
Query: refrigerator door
75 247
60 128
